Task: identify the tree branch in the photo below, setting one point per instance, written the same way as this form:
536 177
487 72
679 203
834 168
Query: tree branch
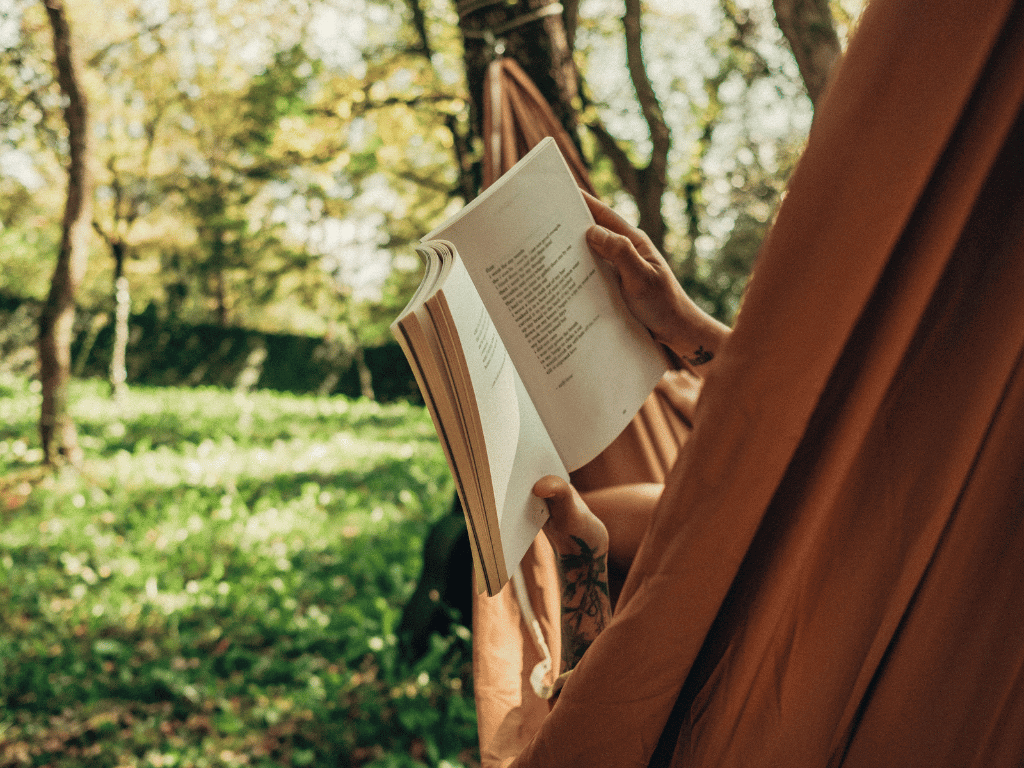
811 33
652 180
419 23
628 174
650 106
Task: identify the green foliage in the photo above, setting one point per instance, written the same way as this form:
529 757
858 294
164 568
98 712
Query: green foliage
280 90
220 585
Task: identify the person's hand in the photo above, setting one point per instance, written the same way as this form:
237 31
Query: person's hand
571 520
580 542
650 290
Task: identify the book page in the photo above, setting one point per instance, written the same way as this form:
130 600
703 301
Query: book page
518 447
585 360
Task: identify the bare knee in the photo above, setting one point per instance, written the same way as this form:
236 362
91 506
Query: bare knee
626 511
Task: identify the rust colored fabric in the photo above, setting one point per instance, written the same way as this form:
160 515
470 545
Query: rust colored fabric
835 573
516 118
509 712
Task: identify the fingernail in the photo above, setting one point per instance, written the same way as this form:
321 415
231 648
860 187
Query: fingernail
597 235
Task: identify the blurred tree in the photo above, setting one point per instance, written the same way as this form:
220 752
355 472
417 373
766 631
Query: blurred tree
811 32
646 184
135 108
729 90
57 430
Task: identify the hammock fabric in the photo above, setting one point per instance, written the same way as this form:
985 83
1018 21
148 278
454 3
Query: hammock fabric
505 653
834 573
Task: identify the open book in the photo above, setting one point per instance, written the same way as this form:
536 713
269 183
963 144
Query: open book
528 360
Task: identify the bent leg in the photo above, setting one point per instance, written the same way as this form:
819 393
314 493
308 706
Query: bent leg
626 512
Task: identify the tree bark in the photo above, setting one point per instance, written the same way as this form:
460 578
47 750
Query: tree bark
811 32
56 429
532 34
122 309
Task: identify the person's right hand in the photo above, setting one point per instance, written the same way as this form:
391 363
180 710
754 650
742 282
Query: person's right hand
650 290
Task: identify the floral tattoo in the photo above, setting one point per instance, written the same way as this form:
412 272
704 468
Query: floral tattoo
585 600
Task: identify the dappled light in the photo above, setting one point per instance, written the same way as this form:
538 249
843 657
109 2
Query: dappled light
224 575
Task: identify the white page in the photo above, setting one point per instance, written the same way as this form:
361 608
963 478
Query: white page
586 362
519 450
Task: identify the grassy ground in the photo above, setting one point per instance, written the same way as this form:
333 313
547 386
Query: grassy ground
220 585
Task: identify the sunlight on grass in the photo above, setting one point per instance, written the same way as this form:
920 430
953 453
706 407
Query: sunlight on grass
221 584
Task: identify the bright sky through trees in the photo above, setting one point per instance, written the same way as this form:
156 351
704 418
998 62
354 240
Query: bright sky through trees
191 108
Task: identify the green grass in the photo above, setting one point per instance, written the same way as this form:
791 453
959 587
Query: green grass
220 585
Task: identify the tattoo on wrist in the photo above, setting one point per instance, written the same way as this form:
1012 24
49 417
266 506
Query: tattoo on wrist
700 357
586 604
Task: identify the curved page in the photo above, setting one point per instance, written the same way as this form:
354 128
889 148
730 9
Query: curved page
518 448
585 360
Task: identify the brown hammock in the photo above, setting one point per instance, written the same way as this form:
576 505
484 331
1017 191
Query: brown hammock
505 653
835 572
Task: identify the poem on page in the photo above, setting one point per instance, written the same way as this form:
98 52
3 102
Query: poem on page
536 285
485 335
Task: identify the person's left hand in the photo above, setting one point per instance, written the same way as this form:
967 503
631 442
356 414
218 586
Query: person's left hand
580 542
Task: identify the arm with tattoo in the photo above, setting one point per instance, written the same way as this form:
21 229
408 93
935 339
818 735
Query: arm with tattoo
586 604
580 541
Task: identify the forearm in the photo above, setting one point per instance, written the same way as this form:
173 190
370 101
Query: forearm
586 605
580 542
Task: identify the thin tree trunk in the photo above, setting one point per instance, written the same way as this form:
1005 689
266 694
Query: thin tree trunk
122 308
221 296
654 177
811 32
56 429
365 374
646 185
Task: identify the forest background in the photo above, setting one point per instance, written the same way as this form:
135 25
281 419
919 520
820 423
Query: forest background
267 166
251 178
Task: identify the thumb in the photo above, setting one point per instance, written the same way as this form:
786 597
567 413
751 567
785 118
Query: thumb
571 519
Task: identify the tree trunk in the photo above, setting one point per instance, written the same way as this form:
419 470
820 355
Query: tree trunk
220 292
365 374
532 33
56 429
811 32
646 185
122 308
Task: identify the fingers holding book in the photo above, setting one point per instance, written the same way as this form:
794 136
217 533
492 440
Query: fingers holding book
651 290
580 542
